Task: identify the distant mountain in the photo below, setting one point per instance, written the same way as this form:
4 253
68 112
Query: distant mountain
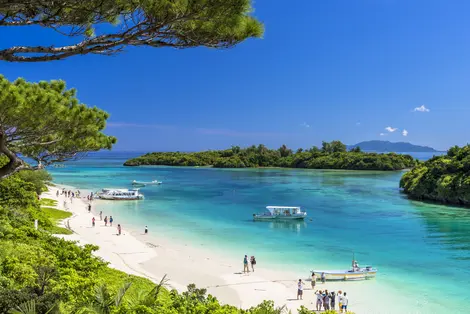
386 146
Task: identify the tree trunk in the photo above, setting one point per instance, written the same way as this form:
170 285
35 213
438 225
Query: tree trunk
14 164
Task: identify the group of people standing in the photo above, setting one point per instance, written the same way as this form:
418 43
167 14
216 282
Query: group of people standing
324 299
247 263
106 220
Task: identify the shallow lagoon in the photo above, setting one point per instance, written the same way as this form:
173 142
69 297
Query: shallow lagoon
421 250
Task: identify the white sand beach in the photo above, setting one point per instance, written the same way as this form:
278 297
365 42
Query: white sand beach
154 256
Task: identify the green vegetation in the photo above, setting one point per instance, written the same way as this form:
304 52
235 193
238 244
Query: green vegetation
444 179
330 156
45 122
106 27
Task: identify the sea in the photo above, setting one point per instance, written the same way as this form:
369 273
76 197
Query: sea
422 250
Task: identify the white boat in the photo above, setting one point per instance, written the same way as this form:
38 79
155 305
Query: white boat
354 273
143 183
120 194
281 213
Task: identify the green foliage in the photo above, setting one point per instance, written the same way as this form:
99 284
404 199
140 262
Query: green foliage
108 26
444 179
39 179
45 122
331 156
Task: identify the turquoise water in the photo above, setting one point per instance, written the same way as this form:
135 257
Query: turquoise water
420 249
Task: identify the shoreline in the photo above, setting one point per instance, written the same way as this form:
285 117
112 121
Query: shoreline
156 254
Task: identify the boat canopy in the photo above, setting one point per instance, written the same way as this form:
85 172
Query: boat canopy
276 210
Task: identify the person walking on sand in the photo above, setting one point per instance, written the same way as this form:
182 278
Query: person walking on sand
105 221
344 303
253 263
101 215
119 229
332 301
89 208
245 265
340 299
326 301
146 230
319 303
300 289
93 221
111 221
314 280
57 194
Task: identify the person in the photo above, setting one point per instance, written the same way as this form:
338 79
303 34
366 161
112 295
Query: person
105 221
93 221
323 279
57 194
146 230
119 229
245 265
253 263
326 301
340 299
300 289
314 280
111 221
344 303
319 295
89 208
65 204
332 300
101 215
88 197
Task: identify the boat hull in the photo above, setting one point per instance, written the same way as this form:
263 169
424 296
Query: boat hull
114 198
347 275
278 218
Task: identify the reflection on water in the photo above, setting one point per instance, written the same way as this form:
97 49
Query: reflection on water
294 226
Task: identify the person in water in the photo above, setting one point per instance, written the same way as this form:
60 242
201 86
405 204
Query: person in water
146 230
111 221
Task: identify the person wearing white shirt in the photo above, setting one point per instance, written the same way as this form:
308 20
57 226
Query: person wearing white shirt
300 289
344 303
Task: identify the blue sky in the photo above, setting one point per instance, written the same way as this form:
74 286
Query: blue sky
324 70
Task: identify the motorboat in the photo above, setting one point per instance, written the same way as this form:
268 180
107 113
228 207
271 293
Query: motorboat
354 273
281 213
143 183
120 194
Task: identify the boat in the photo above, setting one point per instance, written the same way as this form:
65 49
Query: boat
354 273
143 183
281 213
120 194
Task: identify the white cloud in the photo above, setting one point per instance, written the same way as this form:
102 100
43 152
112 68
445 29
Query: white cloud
390 129
421 108
305 125
404 133
382 134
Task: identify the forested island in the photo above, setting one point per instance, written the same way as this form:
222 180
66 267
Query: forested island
444 179
332 155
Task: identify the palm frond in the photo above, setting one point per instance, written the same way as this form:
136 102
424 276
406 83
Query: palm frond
121 293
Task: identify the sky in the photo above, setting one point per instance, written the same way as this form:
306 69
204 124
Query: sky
393 70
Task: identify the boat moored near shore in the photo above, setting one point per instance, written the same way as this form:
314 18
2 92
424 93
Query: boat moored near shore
281 213
354 273
120 194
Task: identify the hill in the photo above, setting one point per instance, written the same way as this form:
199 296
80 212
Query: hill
444 179
398 147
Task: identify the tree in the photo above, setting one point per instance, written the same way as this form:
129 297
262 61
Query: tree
338 147
284 151
45 122
108 26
